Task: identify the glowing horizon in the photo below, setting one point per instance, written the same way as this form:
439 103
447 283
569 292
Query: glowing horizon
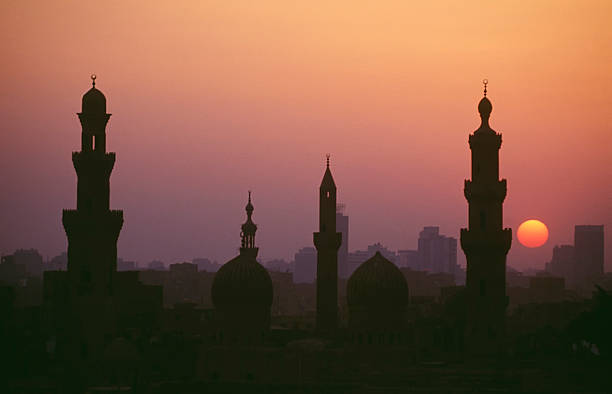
210 101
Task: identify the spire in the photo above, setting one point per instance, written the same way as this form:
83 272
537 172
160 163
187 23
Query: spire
93 80
328 179
485 107
249 228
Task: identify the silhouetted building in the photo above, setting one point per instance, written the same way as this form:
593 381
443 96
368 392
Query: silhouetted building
327 241
242 292
563 263
30 259
342 225
91 302
437 253
305 270
205 264
58 263
93 229
125 265
377 295
485 241
589 255
156 265
278 265
408 258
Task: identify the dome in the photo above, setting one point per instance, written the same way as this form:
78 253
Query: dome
377 282
485 107
94 102
242 281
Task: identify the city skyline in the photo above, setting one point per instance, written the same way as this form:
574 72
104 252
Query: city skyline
257 127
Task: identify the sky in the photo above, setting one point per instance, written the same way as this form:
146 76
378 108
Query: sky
214 98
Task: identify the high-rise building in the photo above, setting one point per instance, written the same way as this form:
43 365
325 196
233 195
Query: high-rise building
436 252
327 241
589 254
342 225
305 270
485 241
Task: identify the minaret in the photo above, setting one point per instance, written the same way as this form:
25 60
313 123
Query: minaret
247 235
92 229
327 242
485 242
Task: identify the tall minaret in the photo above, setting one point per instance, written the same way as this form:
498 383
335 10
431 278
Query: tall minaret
327 242
92 229
485 242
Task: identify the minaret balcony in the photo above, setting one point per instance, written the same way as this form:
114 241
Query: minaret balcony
485 192
483 242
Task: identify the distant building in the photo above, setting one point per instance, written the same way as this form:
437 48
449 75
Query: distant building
29 258
581 264
123 265
589 254
57 263
205 264
342 226
156 265
408 258
563 263
278 265
437 253
305 265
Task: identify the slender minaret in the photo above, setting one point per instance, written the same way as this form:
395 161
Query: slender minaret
247 235
92 229
327 242
485 242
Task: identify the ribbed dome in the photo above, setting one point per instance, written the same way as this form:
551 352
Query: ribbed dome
93 102
242 281
377 282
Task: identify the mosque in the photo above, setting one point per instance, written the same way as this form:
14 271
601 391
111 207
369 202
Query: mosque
92 304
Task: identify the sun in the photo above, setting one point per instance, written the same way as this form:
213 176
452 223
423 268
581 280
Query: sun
532 233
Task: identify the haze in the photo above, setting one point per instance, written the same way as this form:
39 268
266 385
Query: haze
212 99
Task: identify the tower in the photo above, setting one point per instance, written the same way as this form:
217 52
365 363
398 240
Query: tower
485 242
327 241
92 228
242 292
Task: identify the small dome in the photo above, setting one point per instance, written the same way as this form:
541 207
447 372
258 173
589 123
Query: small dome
377 282
242 281
485 107
94 102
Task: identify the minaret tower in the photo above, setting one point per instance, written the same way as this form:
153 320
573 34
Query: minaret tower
327 242
247 235
485 242
92 229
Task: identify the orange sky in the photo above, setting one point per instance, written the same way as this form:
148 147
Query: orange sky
210 99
